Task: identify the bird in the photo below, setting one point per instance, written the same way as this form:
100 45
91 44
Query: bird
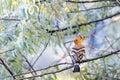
78 51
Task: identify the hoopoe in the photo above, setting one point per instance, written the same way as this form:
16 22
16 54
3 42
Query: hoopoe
78 52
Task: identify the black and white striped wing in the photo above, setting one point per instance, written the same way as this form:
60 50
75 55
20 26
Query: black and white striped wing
78 53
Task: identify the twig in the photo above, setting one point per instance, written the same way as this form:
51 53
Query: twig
47 73
60 35
28 63
118 1
7 51
115 52
87 1
9 19
91 9
39 69
22 56
7 68
42 51
55 65
105 65
109 43
87 23
40 1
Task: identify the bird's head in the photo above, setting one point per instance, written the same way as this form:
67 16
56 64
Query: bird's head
78 40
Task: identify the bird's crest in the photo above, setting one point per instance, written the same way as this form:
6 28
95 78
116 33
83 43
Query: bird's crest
78 41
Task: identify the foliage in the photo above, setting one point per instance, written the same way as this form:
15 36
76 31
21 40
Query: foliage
29 34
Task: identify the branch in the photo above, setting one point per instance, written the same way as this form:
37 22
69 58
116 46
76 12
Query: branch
39 69
92 9
87 23
28 64
7 68
40 1
9 19
87 1
47 73
118 1
43 68
7 51
87 60
83 61
42 51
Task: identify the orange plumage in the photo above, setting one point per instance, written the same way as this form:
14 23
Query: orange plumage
78 41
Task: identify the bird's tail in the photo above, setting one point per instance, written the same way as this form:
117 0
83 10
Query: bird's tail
76 68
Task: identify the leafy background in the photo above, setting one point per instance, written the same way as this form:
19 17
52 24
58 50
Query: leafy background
25 32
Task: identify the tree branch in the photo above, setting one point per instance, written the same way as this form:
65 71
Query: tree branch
83 61
92 9
47 73
7 51
87 60
7 68
28 64
43 68
82 24
42 51
9 19
87 1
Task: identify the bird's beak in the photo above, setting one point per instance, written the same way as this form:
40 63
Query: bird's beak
72 40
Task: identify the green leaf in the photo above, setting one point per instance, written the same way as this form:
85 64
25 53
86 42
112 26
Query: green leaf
12 60
57 67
